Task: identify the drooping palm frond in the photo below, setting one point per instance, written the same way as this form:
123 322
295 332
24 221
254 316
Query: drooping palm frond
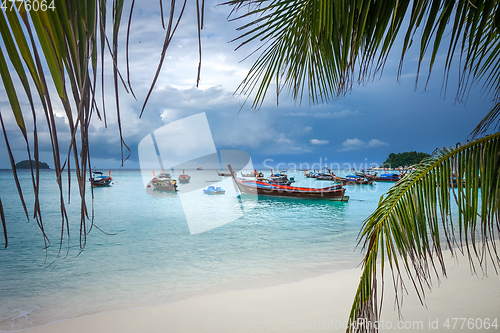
408 228
488 121
315 48
63 39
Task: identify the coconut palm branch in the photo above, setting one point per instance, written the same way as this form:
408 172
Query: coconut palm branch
318 49
64 39
413 222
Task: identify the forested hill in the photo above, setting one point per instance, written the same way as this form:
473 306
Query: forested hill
404 159
26 165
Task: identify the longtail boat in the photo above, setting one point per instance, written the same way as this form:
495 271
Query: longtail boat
263 187
98 180
251 174
184 179
356 180
310 174
279 178
388 177
223 174
164 182
352 180
325 176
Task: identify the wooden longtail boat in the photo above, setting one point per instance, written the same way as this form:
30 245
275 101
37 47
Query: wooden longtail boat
323 176
388 177
98 180
257 187
356 180
367 174
184 179
223 174
310 174
164 182
352 180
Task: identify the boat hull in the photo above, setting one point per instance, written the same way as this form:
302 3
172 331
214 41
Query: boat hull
393 179
255 187
356 182
184 180
259 188
101 182
248 174
164 186
324 178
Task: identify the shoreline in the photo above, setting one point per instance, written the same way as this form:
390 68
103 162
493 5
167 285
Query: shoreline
315 304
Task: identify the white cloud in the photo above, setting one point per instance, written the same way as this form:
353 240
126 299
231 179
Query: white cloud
352 144
169 115
377 143
284 140
319 142
357 144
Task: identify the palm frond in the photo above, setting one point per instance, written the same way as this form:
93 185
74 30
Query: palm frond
488 121
414 218
315 48
61 40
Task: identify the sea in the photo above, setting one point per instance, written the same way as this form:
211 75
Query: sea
147 249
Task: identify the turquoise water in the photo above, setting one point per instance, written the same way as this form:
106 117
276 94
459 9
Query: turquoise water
153 259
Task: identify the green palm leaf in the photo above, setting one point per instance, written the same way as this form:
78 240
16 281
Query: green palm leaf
414 218
319 49
60 40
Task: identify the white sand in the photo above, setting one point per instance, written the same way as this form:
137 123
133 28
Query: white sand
317 304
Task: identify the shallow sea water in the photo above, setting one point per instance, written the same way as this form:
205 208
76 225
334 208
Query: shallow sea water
151 258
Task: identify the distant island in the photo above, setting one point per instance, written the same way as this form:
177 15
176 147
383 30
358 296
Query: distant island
26 164
404 159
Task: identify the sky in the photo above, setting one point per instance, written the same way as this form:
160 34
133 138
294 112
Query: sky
358 130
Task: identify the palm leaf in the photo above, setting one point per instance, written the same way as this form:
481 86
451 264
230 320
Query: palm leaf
414 218
316 47
4 224
63 41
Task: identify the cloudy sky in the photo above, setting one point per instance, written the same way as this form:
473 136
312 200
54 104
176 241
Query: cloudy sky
363 127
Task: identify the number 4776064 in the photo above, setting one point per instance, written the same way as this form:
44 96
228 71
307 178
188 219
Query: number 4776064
29 5
471 323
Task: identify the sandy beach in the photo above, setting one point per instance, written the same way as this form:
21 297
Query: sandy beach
318 304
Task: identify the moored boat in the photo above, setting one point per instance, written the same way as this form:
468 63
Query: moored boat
164 182
310 174
251 174
325 176
99 180
213 190
367 174
183 179
356 180
352 180
261 187
279 178
223 174
388 177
